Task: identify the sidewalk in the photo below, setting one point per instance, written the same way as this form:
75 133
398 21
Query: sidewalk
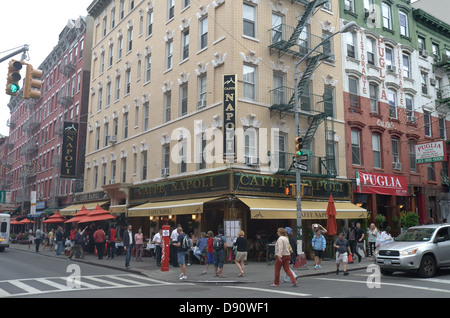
254 271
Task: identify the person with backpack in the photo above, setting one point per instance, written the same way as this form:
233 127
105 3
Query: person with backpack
219 245
183 243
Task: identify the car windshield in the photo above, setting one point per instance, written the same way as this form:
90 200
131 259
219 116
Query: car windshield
415 235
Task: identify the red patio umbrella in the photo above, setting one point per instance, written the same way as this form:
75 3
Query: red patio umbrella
79 215
55 218
98 214
14 222
331 221
26 221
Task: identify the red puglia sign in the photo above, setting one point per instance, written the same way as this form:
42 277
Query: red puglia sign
381 184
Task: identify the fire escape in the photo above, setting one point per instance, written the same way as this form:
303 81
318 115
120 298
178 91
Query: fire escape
297 42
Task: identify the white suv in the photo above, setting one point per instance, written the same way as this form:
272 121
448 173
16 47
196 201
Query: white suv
424 249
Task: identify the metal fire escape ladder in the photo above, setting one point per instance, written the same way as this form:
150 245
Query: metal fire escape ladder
306 76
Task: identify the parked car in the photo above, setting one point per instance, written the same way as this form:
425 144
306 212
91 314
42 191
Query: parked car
423 249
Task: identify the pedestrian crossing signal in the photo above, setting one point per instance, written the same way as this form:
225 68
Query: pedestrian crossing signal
290 190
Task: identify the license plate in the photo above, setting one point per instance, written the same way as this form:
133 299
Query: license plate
387 262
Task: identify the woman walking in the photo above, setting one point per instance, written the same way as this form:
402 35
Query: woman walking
139 239
373 234
241 254
282 257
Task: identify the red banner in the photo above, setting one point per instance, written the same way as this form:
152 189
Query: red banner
381 184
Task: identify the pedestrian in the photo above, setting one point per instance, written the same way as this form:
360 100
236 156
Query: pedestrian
351 237
183 248
59 238
51 235
282 258
372 238
209 251
241 252
157 242
293 243
219 245
173 249
317 226
139 247
360 243
45 240
342 247
77 247
201 246
37 239
99 239
128 244
111 246
319 245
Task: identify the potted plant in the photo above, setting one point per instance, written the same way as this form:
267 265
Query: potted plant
410 219
380 219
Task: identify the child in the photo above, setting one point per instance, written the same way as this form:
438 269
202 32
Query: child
210 250
319 244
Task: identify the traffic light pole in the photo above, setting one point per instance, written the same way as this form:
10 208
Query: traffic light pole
23 50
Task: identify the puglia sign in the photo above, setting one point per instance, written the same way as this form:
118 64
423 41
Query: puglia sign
430 152
69 150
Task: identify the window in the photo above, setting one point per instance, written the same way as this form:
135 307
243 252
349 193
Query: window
148 68
102 62
167 106
435 52
353 90
202 91
122 9
410 109
170 9
277 28
124 170
304 40
424 82
144 165
169 54
350 39
373 92
95 177
150 23
389 57
201 159
305 97
185 45
108 94
442 133
119 48
127 82
110 55
328 101
279 95
404 29
371 49
183 99
250 143
406 66
105 23
125 126
249 79
131 5
166 157
249 22
392 101
431 172
100 99
106 135
130 40
421 43
412 155
356 147
427 123
376 147
395 153
146 116
186 3
113 18
113 172
183 155
203 33
97 138
117 88
349 5
387 16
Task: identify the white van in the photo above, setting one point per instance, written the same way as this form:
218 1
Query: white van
4 231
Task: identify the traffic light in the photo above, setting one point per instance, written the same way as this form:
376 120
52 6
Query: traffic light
298 147
12 82
32 85
290 190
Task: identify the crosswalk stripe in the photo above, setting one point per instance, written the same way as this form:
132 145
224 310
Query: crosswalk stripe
25 287
52 284
104 281
273 291
4 293
128 280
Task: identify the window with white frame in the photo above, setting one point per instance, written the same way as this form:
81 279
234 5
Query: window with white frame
373 92
387 15
427 123
146 116
170 9
406 65
144 158
167 106
124 170
356 147
404 28
117 88
412 155
128 82
250 144
409 101
353 91
376 148
108 94
184 99
249 20
119 48
249 79
148 68
185 44
130 40
371 49
349 5
149 23
203 33
169 54
389 56
202 86
392 101
395 151
350 40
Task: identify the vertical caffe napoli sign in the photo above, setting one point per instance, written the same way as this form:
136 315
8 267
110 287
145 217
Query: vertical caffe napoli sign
69 150
229 100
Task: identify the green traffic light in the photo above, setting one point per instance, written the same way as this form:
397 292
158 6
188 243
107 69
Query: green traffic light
14 88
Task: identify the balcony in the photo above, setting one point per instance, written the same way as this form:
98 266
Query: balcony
282 99
31 124
443 96
67 69
64 100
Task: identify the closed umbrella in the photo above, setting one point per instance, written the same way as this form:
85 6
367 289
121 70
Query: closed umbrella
331 221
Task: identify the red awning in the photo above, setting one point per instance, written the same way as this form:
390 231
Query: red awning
381 184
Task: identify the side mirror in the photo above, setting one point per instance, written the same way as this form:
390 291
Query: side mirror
439 239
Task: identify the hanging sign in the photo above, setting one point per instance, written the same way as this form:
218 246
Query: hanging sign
69 150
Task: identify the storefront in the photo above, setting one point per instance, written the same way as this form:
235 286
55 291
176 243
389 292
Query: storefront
234 200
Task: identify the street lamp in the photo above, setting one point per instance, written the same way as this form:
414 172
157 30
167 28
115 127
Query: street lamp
349 27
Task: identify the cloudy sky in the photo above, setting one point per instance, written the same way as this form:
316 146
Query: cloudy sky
38 24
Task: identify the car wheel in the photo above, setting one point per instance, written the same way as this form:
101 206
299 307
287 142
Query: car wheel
427 267
386 272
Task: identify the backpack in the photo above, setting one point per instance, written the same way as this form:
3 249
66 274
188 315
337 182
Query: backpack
217 243
187 243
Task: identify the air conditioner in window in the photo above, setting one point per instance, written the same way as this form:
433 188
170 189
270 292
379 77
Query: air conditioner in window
251 161
112 139
411 119
201 103
433 81
397 165
391 68
165 172
423 53
112 181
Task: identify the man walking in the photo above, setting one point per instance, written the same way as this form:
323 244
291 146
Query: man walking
219 245
99 239
59 237
157 242
37 239
111 241
77 247
181 252
342 246
128 243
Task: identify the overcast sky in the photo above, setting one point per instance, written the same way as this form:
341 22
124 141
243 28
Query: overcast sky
37 23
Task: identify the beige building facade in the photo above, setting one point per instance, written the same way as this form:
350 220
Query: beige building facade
158 111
